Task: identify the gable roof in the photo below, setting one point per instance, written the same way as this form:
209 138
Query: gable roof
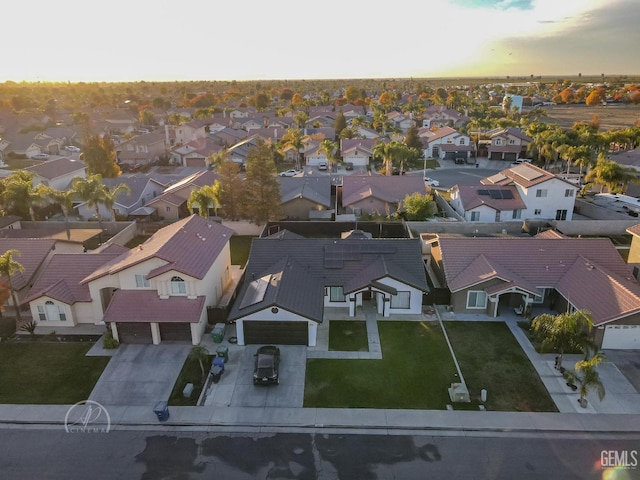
392 188
314 189
296 270
125 307
33 252
525 174
189 246
56 168
498 197
589 272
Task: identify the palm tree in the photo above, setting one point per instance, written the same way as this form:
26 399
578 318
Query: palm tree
8 267
110 195
64 198
610 174
389 152
201 354
203 198
329 149
92 191
293 138
586 377
18 193
564 332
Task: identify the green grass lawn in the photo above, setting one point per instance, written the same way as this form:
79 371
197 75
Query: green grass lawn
348 336
240 246
190 373
48 373
414 373
7 327
491 358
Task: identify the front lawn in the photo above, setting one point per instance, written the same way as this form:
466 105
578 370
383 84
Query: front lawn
491 358
240 246
348 336
48 373
415 372
190 373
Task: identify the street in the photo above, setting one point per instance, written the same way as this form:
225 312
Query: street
128 454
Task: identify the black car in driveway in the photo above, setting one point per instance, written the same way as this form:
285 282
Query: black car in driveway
265 371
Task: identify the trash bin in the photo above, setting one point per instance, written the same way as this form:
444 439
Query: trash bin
162 411
216 373
218 362
217 334
223 352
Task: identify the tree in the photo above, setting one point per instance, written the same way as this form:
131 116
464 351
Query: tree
329 148
587 378
64 198
232 189
594 98
110 195
293 138
201 355
565 332
19 196
340 123
95 193
262 190
100 157
412 139
8 267
5 294
388 152
204 198
610 174
419 207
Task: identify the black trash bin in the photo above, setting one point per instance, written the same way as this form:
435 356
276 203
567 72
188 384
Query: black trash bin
162 411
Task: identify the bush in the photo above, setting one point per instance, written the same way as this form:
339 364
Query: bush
108 341
30 326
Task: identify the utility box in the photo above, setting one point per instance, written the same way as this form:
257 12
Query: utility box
162 411
188 390
459 393
217 334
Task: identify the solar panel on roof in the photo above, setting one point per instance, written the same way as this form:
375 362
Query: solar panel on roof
495 194
507 194
483 192
255 291
527 173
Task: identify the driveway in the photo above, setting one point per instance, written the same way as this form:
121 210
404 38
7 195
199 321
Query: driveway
140 375
628 362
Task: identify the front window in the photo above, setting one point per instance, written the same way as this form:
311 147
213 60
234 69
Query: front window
537 211
561 214
498 141
516 214
41 315
476 299
401 300
475 216
462 141
142 281
178 286
568 192
167 209
512 141
336 294
541 192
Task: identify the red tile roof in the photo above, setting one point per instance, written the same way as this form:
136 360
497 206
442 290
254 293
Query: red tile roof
635 230
189 246
589 272
146 306
33 252
393 188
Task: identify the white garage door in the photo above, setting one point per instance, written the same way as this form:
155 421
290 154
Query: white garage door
621 337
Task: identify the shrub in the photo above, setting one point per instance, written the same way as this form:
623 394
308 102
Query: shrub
30 326
108 341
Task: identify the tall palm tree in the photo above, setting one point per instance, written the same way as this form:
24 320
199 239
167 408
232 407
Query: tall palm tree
92 191
564 332
8 267
389 152
204 198
64 198
293 138
610 174
19 194
110 195
329 149
587 378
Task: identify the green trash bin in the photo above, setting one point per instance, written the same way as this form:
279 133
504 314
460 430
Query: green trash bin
223 352
217 334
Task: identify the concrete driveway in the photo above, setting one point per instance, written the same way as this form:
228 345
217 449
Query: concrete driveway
236 388
628 362
140 375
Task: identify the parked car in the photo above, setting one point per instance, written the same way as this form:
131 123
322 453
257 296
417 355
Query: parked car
520 161
72 148
41 156
267 360
290 173
431 182
460 160
348 166
322 166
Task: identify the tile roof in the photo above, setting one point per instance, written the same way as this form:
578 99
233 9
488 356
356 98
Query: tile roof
472 196
61 277
315 189
33 252
393 188
57 168
145 306
560 263
635 230
299 268
189 246
525 174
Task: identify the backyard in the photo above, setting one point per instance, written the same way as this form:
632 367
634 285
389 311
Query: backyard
48 373
240 246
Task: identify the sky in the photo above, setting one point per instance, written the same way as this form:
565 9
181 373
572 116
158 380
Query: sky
161 40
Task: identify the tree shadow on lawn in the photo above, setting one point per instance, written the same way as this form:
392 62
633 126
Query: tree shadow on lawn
415 371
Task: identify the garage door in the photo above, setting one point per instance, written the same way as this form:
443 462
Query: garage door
511 157
621 337
134 332
175 332
277 333
496 156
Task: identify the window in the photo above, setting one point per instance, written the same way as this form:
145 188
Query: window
498 141
476 299
537 211
52 312
178 286
401 300
517 213
336 294
142 281
41 315
462 141
167 209
561 214
541 192
568 192
512 141
475 216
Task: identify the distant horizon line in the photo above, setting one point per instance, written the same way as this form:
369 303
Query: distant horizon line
442 77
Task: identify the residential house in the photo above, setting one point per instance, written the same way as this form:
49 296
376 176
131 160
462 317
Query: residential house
58 173
172 203
441 116
161 290
10 222
193 130
546 196
445 143
306 198
378 194
142 149
507 144
195 153
489 275
357 151
400 121
480 203
289 282
143 188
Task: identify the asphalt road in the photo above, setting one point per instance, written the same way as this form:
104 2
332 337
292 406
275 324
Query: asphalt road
128 454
